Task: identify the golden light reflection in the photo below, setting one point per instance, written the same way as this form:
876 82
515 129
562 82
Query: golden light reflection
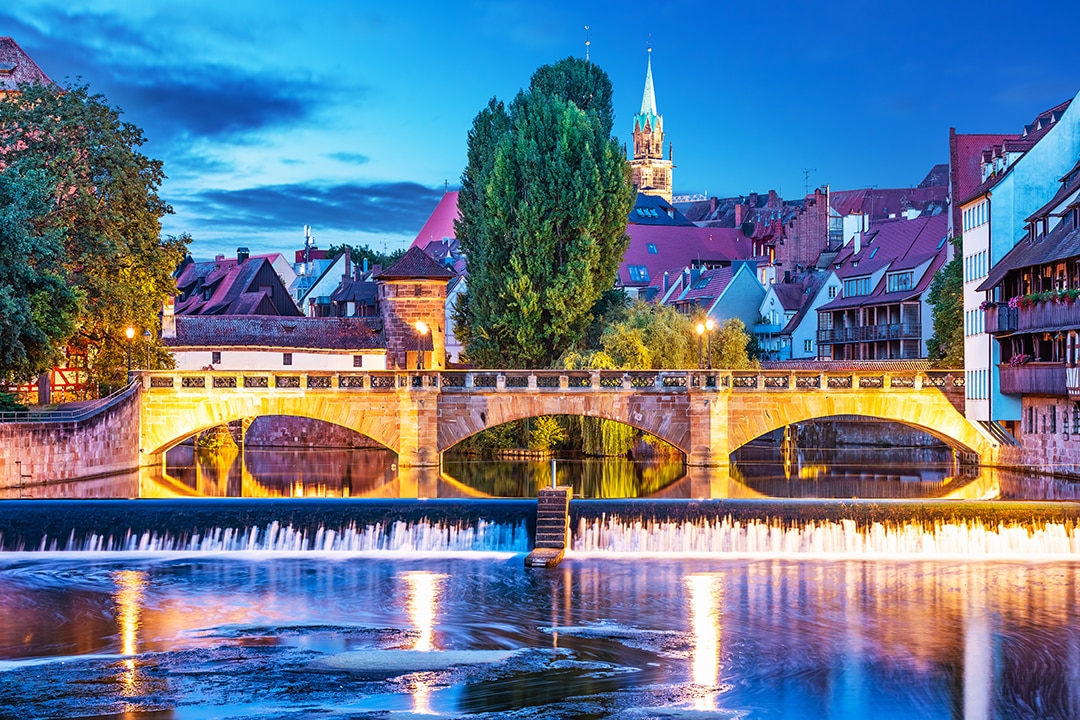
422 604
128 598
706 595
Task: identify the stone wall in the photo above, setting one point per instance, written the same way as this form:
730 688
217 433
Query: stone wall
1049 437
103 444
402 303
302 432
806 235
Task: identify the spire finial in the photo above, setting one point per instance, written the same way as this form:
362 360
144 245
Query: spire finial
648 99
587 43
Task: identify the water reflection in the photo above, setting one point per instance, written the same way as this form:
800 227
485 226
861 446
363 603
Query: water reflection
706 597
422 599
589 477
128 600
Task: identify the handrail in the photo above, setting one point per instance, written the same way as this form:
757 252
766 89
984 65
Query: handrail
62 416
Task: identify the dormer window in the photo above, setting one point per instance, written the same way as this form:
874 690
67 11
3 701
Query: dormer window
901 281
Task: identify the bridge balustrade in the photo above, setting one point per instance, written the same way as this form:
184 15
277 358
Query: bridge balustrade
556 380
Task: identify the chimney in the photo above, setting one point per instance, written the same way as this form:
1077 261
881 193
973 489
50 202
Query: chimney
712 206
773 199
219 258
695 273
753 199
738 214
348 262
168 318
858 242
242 254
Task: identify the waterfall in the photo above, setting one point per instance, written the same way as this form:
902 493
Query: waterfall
725 536
420 537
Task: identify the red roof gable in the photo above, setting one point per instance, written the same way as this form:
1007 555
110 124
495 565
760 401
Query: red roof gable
17 67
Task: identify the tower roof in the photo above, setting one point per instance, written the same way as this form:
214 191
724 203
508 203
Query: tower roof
17 67
415 263
648 115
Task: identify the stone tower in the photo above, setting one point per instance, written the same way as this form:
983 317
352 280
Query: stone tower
651 172
414 289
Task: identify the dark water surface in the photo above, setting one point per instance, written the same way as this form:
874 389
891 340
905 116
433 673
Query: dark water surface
250 635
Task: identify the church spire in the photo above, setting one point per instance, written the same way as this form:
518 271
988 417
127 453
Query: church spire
648 99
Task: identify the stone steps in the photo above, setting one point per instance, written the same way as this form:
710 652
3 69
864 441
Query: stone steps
552 522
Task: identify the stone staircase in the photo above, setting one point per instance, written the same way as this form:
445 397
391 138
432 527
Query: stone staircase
552 527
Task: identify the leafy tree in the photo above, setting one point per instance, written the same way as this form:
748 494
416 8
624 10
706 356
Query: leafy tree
38 311
543 209
106 208
945 348
363 252
732 346
546 433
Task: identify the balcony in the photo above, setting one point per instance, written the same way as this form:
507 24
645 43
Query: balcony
1034 378
1000 319
1049 316
767 329
870 333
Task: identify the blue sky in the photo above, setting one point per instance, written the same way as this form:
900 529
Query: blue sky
350 116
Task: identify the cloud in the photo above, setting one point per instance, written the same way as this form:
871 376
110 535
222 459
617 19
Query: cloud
172 94
350 158
397 208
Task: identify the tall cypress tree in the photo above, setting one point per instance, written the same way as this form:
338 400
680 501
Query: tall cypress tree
543 208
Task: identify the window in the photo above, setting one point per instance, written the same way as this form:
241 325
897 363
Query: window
808 346
832 291
702 283
215 358
857 286
638 273
900 281
651 248
358 361
286 359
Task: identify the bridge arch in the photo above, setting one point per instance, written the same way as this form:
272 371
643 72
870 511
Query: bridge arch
166 421
751 417
665 416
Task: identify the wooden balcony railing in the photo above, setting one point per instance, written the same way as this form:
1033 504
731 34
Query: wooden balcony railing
1034 378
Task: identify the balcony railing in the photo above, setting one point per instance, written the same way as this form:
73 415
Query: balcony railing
1000 319
870 333
1034 378
767 328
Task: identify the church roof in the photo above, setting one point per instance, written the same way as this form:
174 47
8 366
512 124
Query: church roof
415 263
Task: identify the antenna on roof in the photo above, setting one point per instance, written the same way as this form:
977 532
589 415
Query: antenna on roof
587 43
806 178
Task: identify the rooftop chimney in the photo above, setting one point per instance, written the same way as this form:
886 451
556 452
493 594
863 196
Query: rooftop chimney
242 254
168 318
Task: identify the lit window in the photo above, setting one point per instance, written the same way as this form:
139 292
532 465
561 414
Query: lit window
286 359
215 357
638 273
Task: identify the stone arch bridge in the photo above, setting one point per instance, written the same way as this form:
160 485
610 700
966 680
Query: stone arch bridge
707 414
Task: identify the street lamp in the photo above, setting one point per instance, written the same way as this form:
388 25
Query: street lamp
700 350
421 331
130 332
709 325
146 339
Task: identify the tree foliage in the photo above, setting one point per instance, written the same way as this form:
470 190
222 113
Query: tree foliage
38 311
358 254
543 207
945 348
105 209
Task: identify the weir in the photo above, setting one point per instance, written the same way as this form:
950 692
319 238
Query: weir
717 528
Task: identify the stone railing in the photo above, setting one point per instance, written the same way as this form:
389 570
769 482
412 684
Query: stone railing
82 412
481 381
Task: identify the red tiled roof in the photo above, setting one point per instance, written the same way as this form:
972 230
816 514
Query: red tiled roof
882 202
277 332
17 67
232 291
679 247
967 173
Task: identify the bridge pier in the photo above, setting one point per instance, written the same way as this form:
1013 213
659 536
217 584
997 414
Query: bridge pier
418 425
709 421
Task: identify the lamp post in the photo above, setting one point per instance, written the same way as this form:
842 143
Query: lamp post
130 332
146 340
709 325
700 347
421 331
